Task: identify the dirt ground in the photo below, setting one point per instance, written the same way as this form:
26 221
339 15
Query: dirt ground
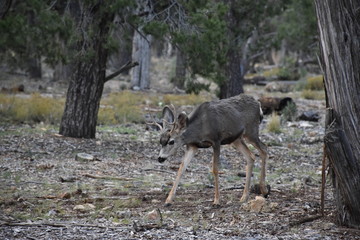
46 193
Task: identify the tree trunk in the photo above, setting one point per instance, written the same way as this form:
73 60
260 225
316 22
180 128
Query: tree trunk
140 77
33 61
87 81
180 71
234 73
34 67
234 69
339 30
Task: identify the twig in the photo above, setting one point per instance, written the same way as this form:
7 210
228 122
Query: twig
124 68
157 170
107 177
304 220
234 188
56 224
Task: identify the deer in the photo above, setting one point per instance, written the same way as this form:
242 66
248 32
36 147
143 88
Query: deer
212 124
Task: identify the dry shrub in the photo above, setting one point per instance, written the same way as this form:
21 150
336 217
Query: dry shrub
274 124
315 83
36 108
123 107
313 95
271 72
107 116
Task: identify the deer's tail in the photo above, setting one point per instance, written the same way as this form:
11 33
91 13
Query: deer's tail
261 114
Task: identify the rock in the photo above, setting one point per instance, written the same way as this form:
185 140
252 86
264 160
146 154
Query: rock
123 214
154 214
52 212
280 86
311 116
84 208
84 157
257 204
80 208
305 125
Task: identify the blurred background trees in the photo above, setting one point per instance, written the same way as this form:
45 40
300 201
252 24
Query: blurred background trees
220 41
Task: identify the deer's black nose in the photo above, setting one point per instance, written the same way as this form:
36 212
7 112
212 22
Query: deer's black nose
161 159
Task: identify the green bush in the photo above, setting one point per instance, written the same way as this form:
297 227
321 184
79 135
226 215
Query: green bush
289 112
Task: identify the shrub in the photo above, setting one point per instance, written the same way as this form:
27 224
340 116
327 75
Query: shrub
289 112
315 83
274 124
106 116
313 95
126 107
36 108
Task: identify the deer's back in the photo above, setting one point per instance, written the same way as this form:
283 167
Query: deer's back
223 120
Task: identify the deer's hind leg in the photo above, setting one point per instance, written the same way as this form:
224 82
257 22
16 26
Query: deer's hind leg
261 147
240 145
215 171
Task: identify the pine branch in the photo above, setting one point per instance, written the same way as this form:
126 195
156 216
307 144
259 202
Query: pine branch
124 68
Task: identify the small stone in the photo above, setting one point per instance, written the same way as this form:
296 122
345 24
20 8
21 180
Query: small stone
52 212
257 204
84 208
80 208
84 157
154 214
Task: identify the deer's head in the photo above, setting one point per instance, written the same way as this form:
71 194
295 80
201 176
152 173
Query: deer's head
171 135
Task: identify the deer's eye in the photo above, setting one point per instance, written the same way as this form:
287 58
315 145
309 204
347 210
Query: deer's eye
171 142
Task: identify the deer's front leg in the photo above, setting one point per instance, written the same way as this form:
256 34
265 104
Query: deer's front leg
189 154
215 170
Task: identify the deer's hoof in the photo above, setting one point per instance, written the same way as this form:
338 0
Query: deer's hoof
216 203
167 204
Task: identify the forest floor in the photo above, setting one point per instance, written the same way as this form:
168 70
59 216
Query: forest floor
46 193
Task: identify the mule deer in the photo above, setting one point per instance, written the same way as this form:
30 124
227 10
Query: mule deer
212 124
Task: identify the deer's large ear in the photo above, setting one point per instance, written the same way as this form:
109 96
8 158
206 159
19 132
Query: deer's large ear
182 120
168 115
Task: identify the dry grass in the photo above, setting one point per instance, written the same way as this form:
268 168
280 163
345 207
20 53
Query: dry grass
33 109
313 94
315 83
274 124
117 108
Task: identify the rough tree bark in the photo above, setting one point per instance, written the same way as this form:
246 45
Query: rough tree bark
234 69
180 70
235 78
140 77
339 30
88 79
